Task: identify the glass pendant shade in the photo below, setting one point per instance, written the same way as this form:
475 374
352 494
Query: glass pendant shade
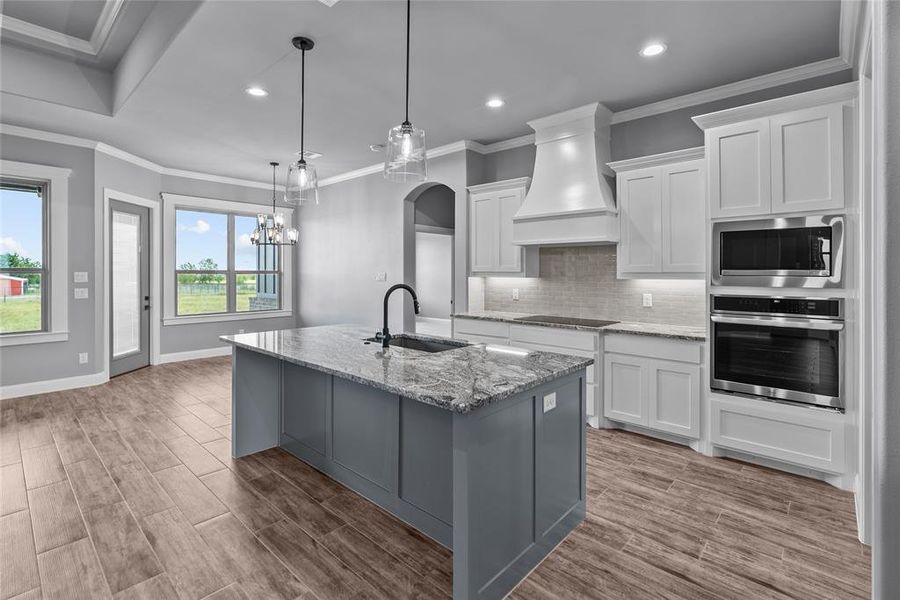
302 188
405 154
293 234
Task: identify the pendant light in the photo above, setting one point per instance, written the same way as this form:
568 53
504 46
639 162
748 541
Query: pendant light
405 152
302 184
270 229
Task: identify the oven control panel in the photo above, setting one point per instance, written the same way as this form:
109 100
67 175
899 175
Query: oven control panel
809 307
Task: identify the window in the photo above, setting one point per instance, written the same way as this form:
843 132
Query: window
217 272
34 253
23 272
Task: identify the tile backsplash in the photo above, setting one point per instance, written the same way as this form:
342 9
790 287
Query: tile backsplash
581 282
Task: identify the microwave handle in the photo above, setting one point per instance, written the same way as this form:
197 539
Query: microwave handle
816 324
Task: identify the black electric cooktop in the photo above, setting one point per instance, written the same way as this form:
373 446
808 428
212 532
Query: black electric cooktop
566 321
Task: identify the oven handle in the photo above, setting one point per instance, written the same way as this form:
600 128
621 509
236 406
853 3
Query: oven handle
816 324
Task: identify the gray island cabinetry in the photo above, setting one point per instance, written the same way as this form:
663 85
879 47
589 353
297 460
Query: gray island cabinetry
480 448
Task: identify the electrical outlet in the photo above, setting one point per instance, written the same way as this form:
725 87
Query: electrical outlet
381 276
515 293
549 402
648 300
240 331
81 293
82 358
80 277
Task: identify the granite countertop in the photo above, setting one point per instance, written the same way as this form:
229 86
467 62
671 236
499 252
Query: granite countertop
460 380
679 332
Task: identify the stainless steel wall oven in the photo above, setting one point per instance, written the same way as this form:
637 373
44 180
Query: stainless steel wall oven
804 252
780 348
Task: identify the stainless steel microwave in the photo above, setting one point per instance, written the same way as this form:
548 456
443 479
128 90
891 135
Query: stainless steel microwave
802 252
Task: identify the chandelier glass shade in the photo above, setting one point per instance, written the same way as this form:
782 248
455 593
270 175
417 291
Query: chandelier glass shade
302 186
270 229
405 159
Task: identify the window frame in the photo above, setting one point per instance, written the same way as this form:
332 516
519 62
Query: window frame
172 203
44 270
55 250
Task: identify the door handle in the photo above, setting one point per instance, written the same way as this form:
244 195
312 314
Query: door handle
146 302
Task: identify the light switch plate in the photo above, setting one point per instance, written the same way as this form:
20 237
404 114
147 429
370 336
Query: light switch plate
381 276
80 277
648 300
549 402
82 358
81 293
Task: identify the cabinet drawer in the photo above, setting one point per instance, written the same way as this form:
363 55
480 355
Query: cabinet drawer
796 435
549 336
654 347
478 327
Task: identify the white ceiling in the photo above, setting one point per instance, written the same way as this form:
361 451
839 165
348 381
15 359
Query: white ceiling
71 17
190 112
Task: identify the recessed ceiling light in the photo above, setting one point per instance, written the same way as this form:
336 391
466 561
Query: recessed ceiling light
256 91
495 103
653 49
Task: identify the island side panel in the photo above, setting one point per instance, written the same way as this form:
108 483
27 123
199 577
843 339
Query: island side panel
394 451
255 402
518 485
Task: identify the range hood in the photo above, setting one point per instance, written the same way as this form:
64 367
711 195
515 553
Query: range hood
570 202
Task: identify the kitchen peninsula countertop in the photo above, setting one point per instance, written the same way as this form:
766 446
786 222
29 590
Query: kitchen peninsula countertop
460 380
680 332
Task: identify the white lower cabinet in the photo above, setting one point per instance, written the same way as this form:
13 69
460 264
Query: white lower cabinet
653 382
806 437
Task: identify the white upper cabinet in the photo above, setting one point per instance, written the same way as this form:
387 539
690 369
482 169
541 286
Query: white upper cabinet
683 187
739 179
808 159
662 215
492 207
787 155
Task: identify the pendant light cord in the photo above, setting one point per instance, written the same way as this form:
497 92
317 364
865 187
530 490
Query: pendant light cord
302 98
273 188
408 6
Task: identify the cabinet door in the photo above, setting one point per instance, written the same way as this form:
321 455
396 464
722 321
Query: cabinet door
624 389
674 398
808 159
509 255
739 169
484 233
639 222
684 217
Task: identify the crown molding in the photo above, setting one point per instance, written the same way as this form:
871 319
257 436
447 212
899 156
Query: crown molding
70 140
517 142
844 92
61 42
655 160
754 84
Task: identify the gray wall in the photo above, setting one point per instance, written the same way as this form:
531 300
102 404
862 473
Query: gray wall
581 282
675 130
35 362
886 422
362 227
435 207
92 172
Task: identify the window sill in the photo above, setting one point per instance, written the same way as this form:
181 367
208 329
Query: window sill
195 319
39 337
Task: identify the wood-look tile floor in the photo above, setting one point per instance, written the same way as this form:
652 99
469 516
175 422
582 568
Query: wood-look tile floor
127 490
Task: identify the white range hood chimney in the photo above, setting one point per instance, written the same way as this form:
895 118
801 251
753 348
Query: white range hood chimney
569 202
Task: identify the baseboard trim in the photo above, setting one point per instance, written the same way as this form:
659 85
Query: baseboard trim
171 357
7 392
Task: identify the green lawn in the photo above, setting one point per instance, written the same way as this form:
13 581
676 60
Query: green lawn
211 303
20 313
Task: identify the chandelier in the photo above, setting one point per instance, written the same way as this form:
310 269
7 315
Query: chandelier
270 229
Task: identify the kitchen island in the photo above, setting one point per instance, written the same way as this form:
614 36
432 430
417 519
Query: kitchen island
481 448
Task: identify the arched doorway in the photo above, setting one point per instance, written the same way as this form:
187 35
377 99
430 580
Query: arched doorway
429 230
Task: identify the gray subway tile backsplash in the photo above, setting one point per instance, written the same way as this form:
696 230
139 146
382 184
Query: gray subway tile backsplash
581 282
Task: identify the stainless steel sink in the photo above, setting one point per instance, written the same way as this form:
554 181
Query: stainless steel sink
421 344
